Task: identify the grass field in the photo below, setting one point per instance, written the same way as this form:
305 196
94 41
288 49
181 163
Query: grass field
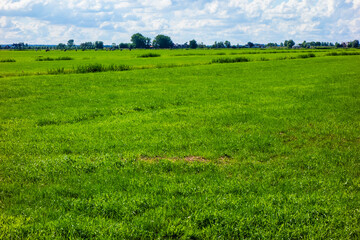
187 144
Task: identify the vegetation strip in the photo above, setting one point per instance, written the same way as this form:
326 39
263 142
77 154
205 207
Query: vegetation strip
53 59
7 60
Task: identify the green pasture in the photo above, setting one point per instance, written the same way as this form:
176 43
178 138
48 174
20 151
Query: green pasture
179 146
27 62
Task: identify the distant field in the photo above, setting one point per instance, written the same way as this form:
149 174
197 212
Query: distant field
188 144
41 62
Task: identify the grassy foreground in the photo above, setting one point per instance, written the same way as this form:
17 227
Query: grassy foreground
258 149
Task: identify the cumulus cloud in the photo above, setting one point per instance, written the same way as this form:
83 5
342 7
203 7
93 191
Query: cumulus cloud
239 21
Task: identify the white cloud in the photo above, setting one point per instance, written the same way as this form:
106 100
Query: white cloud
159 4
356 3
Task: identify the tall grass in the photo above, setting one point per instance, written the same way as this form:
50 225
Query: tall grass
230 60
8 60
53 59
342 53
309 55
90 68
148 55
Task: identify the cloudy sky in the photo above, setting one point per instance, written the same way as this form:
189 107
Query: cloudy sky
239 21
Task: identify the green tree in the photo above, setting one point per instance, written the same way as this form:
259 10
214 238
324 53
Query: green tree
289 43
227 44
355 44
250 44
70 43
193 44
99 45
61 46
139 41
124 45
19 46
87 45
162 41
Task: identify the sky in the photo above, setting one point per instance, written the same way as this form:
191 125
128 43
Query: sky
238 21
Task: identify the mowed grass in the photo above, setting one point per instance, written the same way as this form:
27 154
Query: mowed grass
259 150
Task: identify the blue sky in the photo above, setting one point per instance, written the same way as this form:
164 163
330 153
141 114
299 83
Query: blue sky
238 21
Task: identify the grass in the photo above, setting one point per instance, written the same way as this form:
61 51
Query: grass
267 149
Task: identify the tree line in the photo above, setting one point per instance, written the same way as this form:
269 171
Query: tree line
138 41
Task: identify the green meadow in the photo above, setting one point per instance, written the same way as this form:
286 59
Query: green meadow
180 144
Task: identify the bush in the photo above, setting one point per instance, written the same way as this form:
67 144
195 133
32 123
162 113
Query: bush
147 55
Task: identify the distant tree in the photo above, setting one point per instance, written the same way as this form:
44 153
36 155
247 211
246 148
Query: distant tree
201 45
355 44
124 45
70 43
162 41
99 45
227 44
338 45
147 42
250 44
289 43
61 46
19 46
193 44
221 45
271 45
114 46
139 41
87 45
218 45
